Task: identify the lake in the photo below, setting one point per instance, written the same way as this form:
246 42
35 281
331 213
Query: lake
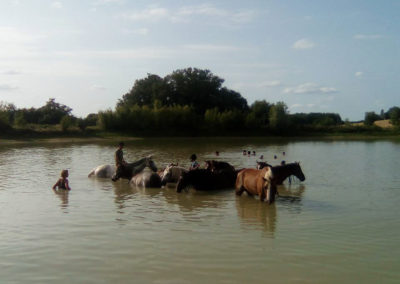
341 225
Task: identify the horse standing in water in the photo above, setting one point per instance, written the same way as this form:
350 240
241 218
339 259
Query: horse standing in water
146 178
257 182
171 174
202 179
103 171
217 166
282 172
131 169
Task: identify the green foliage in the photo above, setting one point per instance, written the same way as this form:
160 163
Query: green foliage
316 119
66 122
370 118
193 87
52 112
278 116
20 119
394 115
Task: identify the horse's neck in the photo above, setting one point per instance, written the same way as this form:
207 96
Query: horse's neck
137 163
282 172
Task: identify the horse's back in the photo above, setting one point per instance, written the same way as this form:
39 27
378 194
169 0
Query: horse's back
103 171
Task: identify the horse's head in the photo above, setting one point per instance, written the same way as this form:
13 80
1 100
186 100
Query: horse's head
261 165
297 171
166 175
182 183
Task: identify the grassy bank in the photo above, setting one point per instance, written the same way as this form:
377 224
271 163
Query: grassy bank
54 134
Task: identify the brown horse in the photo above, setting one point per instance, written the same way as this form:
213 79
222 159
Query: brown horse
257 182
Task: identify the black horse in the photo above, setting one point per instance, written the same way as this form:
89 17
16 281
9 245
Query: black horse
131 169
217 166
280 173
203 179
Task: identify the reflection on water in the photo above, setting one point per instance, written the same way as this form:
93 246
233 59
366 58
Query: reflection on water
63 195
256 215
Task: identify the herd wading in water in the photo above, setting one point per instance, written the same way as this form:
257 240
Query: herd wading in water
261 181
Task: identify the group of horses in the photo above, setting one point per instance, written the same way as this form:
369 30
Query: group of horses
261 181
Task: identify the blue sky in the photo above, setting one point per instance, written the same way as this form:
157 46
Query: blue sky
316 56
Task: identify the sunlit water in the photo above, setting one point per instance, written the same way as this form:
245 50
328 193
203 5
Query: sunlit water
339 226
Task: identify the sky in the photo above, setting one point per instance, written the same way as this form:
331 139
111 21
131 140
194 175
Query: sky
316 56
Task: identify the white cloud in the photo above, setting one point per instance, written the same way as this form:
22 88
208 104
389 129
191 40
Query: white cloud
98 87
309 88
274 83
7 87
185 14
359 74
11 35
106 2
10 72
140 31
367 37
57 5
153 14
303 44
211 47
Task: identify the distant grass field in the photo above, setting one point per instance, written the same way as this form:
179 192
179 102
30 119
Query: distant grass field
385 123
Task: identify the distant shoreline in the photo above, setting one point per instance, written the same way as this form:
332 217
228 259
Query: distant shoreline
114 137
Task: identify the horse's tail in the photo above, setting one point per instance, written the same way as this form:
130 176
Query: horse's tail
239 180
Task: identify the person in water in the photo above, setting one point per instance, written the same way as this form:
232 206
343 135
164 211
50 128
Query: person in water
119 155
62 182
194 165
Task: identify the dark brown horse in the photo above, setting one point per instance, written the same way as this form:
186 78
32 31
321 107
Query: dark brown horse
257 182
202 179
215 166
280 173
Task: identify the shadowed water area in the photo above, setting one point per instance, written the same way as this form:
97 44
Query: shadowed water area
339 226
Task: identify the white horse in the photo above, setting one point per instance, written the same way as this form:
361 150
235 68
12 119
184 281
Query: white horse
171 174
146 178
103 171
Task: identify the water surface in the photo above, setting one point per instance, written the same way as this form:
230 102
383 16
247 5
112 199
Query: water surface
340 225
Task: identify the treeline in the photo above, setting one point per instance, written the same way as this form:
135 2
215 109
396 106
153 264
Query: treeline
52 113
191 101
393 114
187 102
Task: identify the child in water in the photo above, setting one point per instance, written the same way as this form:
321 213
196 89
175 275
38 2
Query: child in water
62 182
194 165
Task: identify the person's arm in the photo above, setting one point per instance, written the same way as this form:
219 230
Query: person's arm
67 185
55 185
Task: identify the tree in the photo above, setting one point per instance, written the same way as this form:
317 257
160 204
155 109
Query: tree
394 115
145 92
278 117
202 90
52 112
370 118
259 113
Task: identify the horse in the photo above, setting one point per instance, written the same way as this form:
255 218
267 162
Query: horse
171 174
257 182
218 166
282 172
131 169
146 178
203 179
103 171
